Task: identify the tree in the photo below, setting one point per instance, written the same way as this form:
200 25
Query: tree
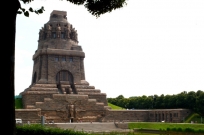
198 107
95 7
119 97
191 100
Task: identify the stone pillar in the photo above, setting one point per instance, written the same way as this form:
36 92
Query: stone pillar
156 116
164 116
179 116
82 69
43 69
33 72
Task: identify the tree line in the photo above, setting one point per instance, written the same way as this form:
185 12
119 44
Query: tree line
188 100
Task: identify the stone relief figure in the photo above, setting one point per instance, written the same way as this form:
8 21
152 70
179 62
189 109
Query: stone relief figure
67 32
67 111
70 110
48 34
41 33
58 31
74 35
49 28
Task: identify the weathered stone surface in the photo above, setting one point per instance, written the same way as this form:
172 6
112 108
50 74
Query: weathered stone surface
32 115
89 90
84 87
170 115
44 86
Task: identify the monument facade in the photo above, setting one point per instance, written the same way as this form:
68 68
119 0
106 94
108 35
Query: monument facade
59 90
58 85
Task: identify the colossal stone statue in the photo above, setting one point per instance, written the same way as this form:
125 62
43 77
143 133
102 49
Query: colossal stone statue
49 28
41 34
67 32
72 111
74 35
58 31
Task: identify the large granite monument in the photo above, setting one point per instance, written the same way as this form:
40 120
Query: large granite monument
59 90
58 85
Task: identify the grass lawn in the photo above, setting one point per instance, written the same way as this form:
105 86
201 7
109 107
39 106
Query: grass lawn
164 126
195 118
115 107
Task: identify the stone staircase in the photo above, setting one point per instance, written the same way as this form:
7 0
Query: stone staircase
42 88
92 93
53 100
86 89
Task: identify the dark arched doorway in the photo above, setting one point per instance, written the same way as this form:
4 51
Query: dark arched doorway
34 78
65 76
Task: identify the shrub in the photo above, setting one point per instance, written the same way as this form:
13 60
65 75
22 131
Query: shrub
36 129
179 129
189 130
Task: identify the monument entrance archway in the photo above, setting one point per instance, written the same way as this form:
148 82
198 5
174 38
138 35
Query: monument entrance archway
66 76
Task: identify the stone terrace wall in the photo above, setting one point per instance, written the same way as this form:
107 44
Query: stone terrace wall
126 115
57 108
155 115
100 97
32 115
31 99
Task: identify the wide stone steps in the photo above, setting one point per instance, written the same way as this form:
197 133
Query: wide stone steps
89 90
84 87
65 86
43 89
45 85
42 92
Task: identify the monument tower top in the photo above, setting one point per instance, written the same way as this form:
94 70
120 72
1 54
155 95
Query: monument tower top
58 33
58 16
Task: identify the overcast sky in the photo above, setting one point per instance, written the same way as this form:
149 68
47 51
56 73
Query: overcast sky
148 47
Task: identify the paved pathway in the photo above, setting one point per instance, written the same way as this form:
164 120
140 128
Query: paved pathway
91 127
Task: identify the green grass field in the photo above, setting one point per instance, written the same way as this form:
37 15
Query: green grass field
114 107
164 126
194 117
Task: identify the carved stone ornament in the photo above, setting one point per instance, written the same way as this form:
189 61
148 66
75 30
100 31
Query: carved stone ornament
58 31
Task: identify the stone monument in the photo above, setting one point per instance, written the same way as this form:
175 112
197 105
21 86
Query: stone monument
59 90
58 85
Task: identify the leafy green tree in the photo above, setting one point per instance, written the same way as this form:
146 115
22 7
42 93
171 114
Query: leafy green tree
156 101
132 102
120 97
126 103
198 93
167 101
191 100
200 103
181 100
